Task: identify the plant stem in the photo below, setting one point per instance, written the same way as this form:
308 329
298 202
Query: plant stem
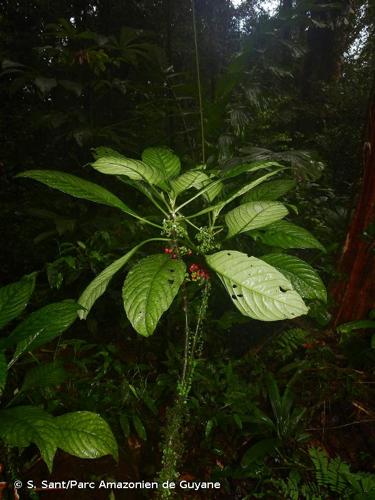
177 414
198 80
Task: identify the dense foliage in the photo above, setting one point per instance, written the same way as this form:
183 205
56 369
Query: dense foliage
231 142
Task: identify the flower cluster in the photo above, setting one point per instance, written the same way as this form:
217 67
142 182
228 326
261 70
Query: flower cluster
175 252
198 273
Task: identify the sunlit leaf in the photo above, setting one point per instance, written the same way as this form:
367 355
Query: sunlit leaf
253 215
149 289
77 187
164 160
257 289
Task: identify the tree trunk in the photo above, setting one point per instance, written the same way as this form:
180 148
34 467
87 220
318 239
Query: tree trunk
355 291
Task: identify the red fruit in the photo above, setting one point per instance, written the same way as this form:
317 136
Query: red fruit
193 268
174 256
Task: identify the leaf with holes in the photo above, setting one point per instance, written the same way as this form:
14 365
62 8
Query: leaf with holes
284 234
257 289
3 371
253 215
304 278
22 425
164 160
86 435
149 290
77 187
110 162
272 190
14 298
44 375
42 326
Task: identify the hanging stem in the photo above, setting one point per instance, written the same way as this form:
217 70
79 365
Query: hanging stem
177 414
198 80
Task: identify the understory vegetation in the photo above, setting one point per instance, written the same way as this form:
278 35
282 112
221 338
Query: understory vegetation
187 221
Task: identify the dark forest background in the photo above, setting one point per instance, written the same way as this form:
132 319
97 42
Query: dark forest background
295 85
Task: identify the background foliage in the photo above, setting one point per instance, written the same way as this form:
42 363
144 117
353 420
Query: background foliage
270 402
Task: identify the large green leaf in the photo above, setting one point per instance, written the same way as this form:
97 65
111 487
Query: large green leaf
42 326
257 289
149 289
284 234
197 179
241 191
272 190
99 284
44 375
77 187
188 180
86 435
164 160
116 164
253 215
14 298
304 278
3 371
22 425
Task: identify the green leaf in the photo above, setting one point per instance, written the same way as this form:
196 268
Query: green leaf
253 215
258 451
361 324
250 167
239 192
198 180
44 375
110 162
164 160
125 426
86 435
77 187
188 180
214 188
99 284
257 289
14 298
139 427
3 371
149 289
22 425
284 234
42 326
272 190
305 280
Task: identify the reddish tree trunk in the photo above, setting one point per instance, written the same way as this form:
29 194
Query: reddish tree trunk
355 292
